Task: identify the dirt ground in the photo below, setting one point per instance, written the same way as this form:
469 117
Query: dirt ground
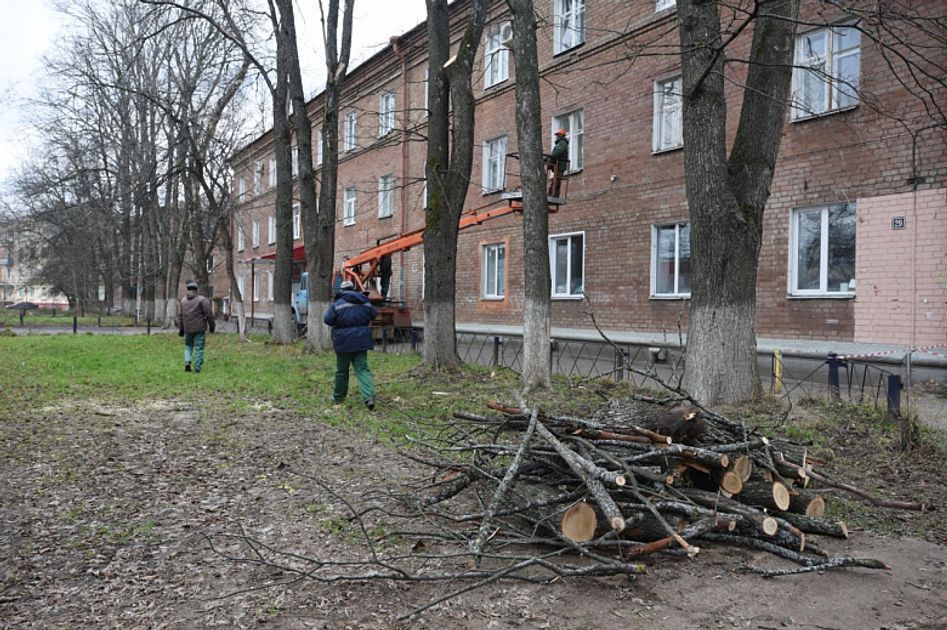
105 513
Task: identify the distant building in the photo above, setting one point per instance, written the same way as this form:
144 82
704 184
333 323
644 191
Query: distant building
855 234
17 279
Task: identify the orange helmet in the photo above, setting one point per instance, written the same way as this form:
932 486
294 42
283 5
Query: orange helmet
562 132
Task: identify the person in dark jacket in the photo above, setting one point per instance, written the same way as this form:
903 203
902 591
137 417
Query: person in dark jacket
195 317
384 271
557 162
350 316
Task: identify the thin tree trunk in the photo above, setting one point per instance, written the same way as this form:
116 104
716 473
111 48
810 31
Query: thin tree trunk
536 371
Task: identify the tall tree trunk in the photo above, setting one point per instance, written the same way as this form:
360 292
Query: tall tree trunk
320 226
284 330
447 178
727 198
536 371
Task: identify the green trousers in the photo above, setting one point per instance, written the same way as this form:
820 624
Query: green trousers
363 376
194 349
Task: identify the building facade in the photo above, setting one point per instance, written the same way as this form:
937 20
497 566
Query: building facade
855 233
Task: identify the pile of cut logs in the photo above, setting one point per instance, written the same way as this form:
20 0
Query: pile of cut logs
623 486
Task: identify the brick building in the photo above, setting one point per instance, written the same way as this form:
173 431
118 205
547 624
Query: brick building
859 194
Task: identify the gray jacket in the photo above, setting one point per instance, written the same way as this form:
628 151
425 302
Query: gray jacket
196 314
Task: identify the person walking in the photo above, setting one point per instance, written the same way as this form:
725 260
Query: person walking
350 316
557 162
195 317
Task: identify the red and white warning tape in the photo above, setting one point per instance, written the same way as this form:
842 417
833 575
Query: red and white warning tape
922 349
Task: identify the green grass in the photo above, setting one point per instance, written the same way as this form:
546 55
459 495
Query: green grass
11 318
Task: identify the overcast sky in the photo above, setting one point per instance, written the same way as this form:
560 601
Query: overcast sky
28 30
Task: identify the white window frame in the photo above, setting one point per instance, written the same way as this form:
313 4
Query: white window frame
427 90
349 142
241 188
499 275
241 284
793 279
297 223
210 264
348 206
552 265
568 25
676 293
256 285
319 146
241 239
494 164
272 178
661 5
386 194
496 66
386 113
269 286
255 234
828 75
271 229
258 177
665 108
574 123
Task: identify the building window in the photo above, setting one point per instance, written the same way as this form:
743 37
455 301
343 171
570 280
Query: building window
828 68
822 249
494 271
269 286
497 66
386 193
210 264
271 229
295 158
297 223
427 91
272 172
348 135
240 283
241 245
319 146
667 132
661 5
567 264
573 122
255 233
569 25
494 164
671 260
386 114
258 177
241 189
256 286
348 207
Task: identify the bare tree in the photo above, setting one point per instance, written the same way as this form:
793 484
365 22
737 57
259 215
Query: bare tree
320 225
449 160
536 340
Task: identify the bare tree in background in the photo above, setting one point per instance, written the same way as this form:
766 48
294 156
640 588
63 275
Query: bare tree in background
449 161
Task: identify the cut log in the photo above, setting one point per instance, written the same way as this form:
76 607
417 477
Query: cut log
807 503
730 482
742 465
817 525
579 522
771 495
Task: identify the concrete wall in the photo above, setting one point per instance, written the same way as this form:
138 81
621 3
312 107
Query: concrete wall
902 273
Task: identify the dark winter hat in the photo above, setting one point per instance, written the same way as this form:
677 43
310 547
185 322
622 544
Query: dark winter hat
347 285
191 285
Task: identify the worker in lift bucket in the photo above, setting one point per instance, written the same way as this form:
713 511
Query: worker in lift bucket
557 162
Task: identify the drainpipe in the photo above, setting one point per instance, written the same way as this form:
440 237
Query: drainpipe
399 52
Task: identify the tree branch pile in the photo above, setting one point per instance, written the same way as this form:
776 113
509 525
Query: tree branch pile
622 487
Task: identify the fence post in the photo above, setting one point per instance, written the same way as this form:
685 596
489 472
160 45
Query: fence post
149 325
99 321
269 326
833 376
384 339
777 371
552 352
894 396
22 313
495 359
414 340
75 324
619 364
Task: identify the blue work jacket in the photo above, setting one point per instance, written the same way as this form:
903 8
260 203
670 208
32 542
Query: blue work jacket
350 315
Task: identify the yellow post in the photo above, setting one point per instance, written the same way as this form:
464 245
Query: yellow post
777 371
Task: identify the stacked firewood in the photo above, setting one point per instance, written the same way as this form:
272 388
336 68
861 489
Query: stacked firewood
624 485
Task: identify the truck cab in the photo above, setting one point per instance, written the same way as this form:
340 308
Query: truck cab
301 300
